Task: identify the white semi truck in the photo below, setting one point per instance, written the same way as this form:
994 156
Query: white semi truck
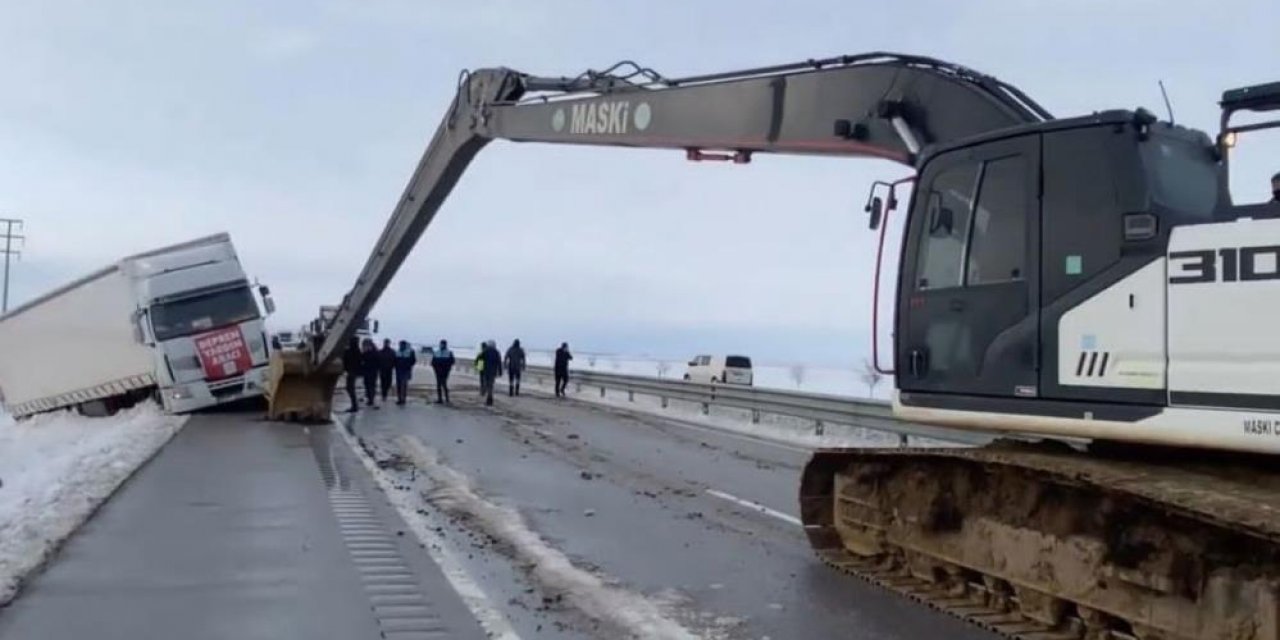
179 324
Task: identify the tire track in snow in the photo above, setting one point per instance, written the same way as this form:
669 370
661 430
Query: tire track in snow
628 611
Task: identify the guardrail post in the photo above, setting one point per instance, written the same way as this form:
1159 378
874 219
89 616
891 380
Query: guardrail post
601 391
904 440
819 428
755 416
664 402
706 408
631 396
577 387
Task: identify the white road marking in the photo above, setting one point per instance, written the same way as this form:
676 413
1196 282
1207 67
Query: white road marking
492 620
755 506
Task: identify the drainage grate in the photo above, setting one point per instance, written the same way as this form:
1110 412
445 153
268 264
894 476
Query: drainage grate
395 595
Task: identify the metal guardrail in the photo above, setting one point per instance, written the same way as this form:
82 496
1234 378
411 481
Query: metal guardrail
822 409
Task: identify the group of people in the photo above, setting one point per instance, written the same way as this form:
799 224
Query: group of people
362 360
490 363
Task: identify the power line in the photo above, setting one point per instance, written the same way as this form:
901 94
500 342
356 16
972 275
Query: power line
9 252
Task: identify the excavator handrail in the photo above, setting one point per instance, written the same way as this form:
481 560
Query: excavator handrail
603 82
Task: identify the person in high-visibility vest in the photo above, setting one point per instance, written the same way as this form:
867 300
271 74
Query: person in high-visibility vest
479 366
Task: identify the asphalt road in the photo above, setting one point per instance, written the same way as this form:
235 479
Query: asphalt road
700 520
242 529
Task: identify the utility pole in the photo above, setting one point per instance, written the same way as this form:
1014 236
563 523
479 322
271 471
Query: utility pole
9 236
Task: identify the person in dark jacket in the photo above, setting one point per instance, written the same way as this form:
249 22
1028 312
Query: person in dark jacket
405 360
515 367
370 364
1275 188
492 369
386 367
441 364
562 369
352 367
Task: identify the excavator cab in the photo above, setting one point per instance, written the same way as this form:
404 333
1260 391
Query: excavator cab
1008 234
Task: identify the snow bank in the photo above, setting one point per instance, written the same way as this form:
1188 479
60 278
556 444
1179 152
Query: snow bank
56 469
626 610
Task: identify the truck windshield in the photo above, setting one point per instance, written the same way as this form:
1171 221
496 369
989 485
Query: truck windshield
202 313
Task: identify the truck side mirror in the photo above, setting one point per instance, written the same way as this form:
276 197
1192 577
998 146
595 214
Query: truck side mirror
269 303
375 327
263 290
876 209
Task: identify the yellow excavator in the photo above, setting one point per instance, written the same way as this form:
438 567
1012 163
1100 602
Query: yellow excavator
1086 281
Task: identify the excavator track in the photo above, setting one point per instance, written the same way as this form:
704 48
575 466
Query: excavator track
1041 541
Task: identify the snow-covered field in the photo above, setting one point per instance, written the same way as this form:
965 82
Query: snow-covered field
796 377
55 470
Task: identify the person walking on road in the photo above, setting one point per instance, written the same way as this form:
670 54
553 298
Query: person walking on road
369 362
491 369
515 367
386 367
562 369
352 368
441 364
405 361
479 367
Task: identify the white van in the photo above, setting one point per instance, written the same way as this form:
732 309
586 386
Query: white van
720 369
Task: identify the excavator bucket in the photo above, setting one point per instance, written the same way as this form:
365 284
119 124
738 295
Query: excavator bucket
296 391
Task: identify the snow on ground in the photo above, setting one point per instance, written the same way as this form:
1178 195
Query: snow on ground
55 469
632 613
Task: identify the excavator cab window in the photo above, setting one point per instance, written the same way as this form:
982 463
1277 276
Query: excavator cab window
949 201
997 246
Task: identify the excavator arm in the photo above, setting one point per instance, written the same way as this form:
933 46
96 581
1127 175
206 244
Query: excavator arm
875 105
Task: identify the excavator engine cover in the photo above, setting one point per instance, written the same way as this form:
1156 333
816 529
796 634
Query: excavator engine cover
296 391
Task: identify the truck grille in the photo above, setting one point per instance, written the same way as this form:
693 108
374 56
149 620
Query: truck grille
227 387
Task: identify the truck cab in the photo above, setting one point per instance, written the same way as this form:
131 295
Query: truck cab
197 310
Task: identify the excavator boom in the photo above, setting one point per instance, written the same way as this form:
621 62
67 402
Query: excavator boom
873 105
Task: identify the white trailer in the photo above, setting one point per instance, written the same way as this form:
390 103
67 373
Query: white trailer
179 323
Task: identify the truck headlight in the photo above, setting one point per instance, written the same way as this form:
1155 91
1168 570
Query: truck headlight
180 392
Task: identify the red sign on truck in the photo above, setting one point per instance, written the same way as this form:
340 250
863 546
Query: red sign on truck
223 353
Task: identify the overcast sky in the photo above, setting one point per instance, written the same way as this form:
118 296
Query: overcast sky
295 125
